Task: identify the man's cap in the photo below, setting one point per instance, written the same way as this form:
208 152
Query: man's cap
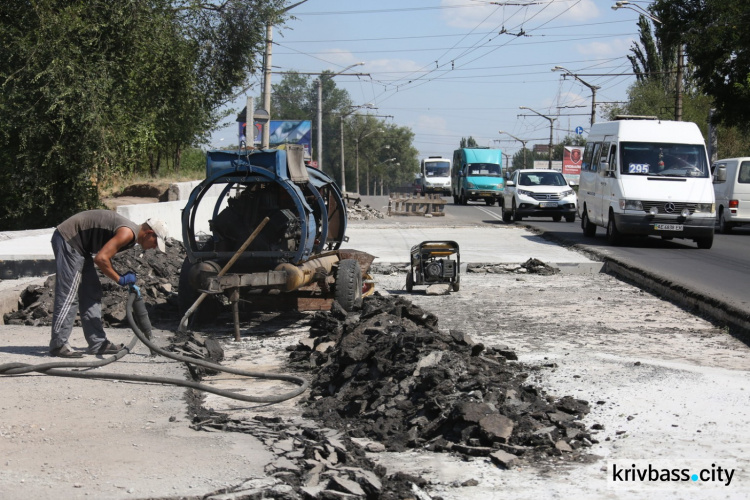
162 233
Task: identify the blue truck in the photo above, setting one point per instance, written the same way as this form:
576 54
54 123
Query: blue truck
477 174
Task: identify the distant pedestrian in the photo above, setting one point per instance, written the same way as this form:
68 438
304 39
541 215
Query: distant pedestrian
85 239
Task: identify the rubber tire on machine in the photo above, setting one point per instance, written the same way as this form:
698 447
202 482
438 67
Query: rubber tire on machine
464 200
456 286
456 200
705 243
409 282
570 218
348 292
724 226
556 218
613 235
589 229
516 217
209 309
506 214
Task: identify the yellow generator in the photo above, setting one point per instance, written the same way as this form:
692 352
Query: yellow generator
431 263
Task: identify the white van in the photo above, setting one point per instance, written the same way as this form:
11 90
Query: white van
644 176
732 191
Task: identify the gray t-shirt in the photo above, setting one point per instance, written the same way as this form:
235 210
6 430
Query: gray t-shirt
87 232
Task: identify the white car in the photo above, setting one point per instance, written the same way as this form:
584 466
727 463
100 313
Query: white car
538 193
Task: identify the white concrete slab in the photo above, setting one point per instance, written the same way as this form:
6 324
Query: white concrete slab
480 244
22 247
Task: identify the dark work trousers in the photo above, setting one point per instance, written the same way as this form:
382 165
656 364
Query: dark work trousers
76 281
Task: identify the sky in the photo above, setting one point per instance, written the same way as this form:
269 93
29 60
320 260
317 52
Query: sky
449 69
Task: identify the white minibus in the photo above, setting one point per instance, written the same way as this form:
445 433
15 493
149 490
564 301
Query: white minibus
645 176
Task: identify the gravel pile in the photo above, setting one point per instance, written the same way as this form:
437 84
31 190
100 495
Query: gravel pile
158 278
389 374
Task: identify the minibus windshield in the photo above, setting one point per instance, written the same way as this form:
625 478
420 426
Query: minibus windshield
663 159
483 169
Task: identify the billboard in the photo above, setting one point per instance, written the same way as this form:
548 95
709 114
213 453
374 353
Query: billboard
572 157
284 132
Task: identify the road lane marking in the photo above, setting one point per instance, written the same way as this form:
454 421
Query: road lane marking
491 214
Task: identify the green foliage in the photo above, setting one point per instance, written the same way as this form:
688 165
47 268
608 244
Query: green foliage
717 44
96 89
468 142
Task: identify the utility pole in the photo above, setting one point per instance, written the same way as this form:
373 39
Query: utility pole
551 121
265 138
678 88
593 89
523 144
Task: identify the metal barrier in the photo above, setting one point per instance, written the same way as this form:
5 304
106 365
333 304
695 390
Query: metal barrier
408 204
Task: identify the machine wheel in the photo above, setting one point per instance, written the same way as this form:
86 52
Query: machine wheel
589 229
556 218
570 218
489 201
705 243
506 214
724 226
516 217
456 200
409 282
348 291
187 295
613 235
456 286
464 200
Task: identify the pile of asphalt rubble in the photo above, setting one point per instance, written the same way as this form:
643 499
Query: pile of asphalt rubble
386 378
158 278
359 212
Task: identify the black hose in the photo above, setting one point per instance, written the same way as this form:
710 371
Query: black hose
55 368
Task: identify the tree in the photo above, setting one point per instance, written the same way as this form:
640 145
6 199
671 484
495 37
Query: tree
468 142
717 44
92 90
646 59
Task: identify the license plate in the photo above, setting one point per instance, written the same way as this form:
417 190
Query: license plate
668 227
486 193
548 204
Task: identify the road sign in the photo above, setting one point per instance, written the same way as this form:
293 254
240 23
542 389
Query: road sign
579 130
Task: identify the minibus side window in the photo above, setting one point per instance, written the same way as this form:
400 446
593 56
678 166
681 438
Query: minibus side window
604 153
586 165
612 160
744 177
595 157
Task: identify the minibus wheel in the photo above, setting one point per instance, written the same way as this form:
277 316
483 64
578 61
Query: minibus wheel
589 229
613 235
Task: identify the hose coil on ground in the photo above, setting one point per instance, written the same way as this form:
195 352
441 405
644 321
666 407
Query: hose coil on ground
57 368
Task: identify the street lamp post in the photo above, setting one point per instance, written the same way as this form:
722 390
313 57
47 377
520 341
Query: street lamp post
319 84
523 144
551 120
593 88
344 115
356 163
